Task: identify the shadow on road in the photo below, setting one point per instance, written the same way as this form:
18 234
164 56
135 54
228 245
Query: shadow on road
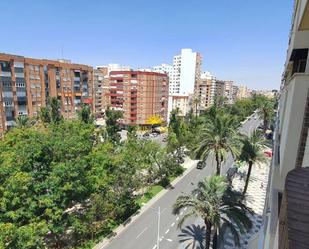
192 237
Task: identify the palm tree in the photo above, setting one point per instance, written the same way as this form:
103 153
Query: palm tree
196 101
252 153
218 206
266 112
219 137
22 121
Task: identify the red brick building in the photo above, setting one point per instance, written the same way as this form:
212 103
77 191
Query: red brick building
138 94
26 84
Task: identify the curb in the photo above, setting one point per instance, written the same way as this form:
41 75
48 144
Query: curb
118 230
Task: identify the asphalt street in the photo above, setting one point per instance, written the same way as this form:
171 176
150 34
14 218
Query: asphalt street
142 232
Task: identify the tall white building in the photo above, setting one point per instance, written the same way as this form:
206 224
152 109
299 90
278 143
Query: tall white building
186 72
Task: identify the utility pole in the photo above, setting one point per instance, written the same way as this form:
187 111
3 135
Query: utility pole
158 237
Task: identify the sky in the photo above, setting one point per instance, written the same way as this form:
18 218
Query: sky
240 40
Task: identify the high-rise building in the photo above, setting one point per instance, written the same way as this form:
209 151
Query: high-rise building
26 84
179 102
243 92
203 90
286 217
100 77
186 72
217 90
164 68
138 94
228 91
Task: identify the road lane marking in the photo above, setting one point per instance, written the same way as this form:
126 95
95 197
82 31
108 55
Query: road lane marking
177 218
163 210
185 209
169 240
166 232
141 233
181 213
155 246
161 238
173 224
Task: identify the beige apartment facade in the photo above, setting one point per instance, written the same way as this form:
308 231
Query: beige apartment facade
138 94
27 83
286 217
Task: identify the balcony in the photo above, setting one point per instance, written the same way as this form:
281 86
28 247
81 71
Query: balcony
293 107
294 214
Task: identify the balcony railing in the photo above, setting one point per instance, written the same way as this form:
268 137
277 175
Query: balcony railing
294 212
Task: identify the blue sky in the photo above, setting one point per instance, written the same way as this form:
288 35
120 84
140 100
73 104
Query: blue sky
241 40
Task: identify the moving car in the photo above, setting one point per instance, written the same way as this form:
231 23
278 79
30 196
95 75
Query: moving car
200 165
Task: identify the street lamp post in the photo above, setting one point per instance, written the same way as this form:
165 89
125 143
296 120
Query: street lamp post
158 236
158 212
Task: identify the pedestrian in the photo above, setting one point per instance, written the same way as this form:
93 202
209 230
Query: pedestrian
262 185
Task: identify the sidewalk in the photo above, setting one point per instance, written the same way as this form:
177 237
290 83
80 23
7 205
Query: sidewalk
188 165
256 194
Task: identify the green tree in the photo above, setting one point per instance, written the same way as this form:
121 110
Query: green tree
84 114
219 137
45 115
112 124
46 173
22 121
266 112
218 206
252 152
55 110
196 102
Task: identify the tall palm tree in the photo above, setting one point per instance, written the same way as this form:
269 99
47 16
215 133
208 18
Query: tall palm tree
252 153
196 101
219 137
266 112
217 205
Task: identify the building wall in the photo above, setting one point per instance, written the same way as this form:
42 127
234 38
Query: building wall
186 72
203 90
291 141
138 94
26 85
100 76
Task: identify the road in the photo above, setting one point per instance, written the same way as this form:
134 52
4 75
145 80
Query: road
142 233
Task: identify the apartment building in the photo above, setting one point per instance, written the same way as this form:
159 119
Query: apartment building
186 72
100 77
27 83
138 94
203 90
179 102
228 91
286 218
267 93
113 67
164 68
243 92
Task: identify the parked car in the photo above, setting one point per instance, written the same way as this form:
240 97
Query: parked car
268 153
200 165
146 135
260 127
